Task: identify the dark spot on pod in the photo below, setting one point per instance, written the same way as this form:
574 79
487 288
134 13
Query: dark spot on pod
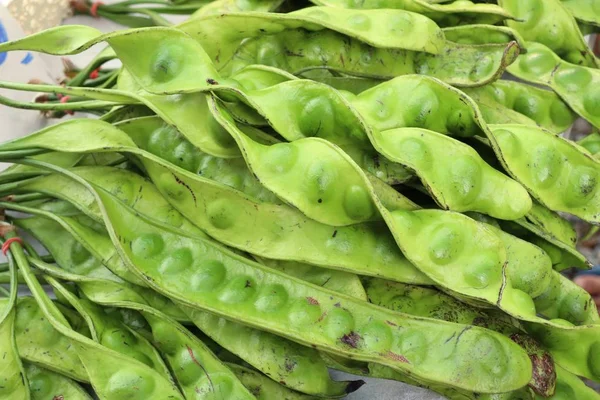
391 323
322 317
58 397
211 81
320 201
248 284
290 365
396 357
351 339
338 305
312 301
334 233
283 383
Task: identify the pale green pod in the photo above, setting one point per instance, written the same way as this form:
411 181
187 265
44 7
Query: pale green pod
13 380
548 22
392 29
339 281
591 142
264 388
299 51
585 11
445 14
227 6
501 100
483 34
18 172
244 289
47 385
576 85
187 191
198 371
39 343
453 172
293 365
554 170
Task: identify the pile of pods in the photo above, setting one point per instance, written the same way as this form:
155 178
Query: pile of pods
266 196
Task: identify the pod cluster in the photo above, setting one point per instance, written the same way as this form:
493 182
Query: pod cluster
268 195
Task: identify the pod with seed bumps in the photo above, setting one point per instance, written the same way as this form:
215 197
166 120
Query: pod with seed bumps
576 85
554 170
344 329
548 22
45 384
544 107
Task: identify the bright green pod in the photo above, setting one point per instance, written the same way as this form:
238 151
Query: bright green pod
554 170
483 34
367 249
17 172
198 371
293 365
570 386
575 84
113 334
112 375
298 51
264 388
226 6
65 249
454 173
543 107
39 343
431 303
13 380
163 140
585 11
591 142
338 281
45 384
444 14
130 187
348 326
391 29
548 22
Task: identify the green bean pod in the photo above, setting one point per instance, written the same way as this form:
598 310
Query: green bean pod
391 29
299 51
199 373
585 11
431 303
506 97
262 387
576 85
13 380
114 335
291 364
483 34
39 343
45 384
559 166
227 6
569 386
591 142
17 172
548 22
339 329
444 14
113 375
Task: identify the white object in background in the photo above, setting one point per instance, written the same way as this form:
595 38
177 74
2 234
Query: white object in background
21 66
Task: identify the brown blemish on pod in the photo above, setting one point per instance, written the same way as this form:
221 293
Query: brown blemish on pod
351 339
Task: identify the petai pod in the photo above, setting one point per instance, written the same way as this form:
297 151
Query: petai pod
561 176
377 253
444 14
585 11
548 22
45 384
575 84
340 330
503 97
